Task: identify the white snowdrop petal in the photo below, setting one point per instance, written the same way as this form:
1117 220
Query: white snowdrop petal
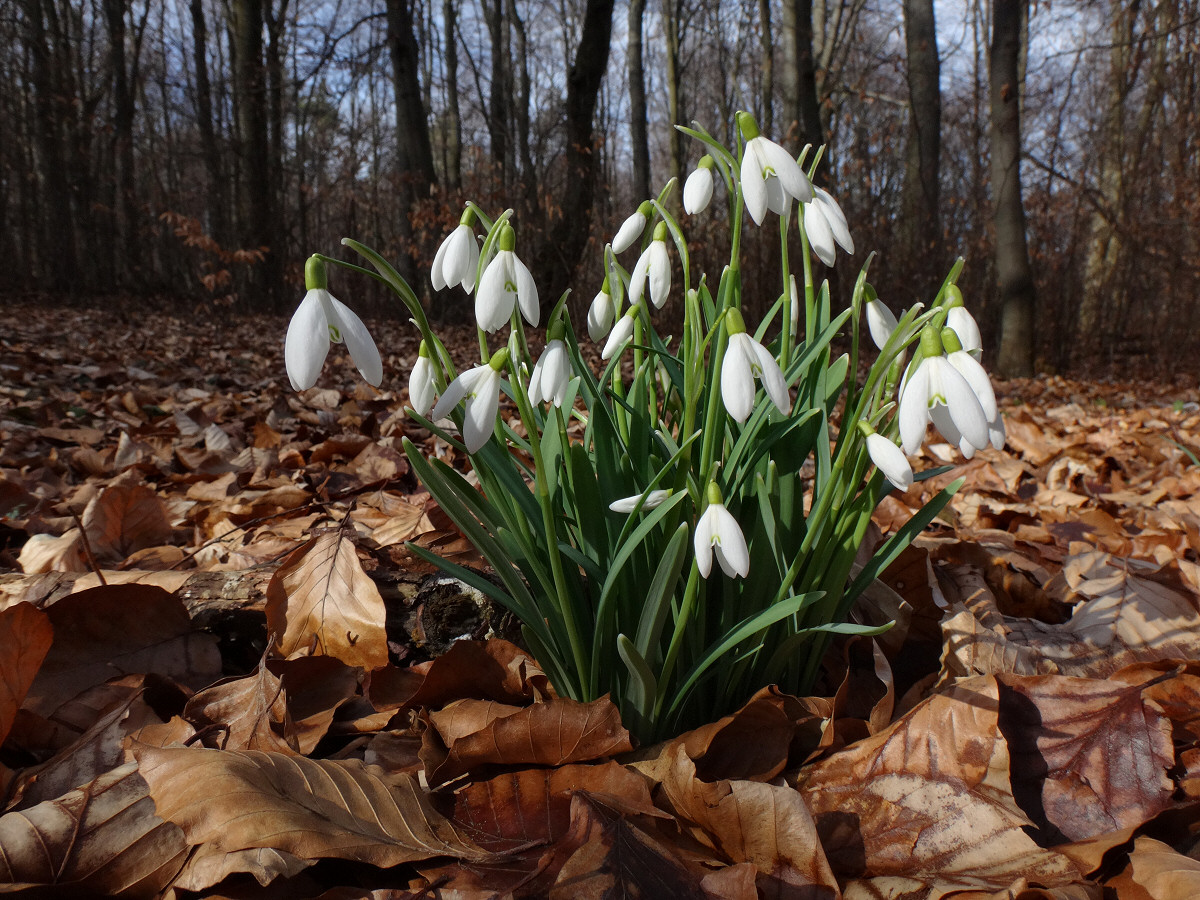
307 342
697 191
631 229
820 236
479 420
914 410
737 378
891 461
772 378
754 190
880 322
527 294
359 342
659 273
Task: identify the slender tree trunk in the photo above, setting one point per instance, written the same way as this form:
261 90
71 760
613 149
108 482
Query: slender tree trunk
801 104
215 195
453 116
275 19
670 20
529 176
501 96
1013 273
583 88
58 254
921 217
257 206
412 125
766 68
638 136
127 264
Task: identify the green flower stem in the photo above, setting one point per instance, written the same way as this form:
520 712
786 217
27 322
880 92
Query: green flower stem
563 600
810 308
786 332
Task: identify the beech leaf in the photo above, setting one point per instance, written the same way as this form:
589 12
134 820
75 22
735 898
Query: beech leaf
25 637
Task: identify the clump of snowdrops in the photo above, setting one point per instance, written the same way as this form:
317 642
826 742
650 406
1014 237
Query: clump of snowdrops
603 509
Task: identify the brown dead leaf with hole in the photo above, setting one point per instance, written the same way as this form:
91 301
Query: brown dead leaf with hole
25 638
107 632
320 602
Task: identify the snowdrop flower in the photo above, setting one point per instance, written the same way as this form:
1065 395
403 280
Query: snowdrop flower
938 392
970 369
718 530
698 189
505 282
551 374
649 501
825 225
653 265
601 313
745 360
771 178
890 460
421 384
631 229
965 327
621 333
481 388
458 257
880 322
319 320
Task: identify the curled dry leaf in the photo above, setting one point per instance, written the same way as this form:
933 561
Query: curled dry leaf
554 733
25 637
107 632
237 800
1129 611
1162 873
321 603
101 839
929 799
248 713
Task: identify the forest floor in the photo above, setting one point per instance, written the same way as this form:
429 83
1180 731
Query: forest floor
1029 728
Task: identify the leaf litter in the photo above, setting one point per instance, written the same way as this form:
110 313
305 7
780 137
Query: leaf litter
224 674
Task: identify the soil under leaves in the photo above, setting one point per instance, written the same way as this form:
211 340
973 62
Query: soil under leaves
223 674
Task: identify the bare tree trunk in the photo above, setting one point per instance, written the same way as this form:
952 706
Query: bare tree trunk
638 136
766 68
529 176
256 203
275 20
215 195
801 104
412 124
501 94
127 266
453 115
583 88
58 254
921 217
670 20
1013 273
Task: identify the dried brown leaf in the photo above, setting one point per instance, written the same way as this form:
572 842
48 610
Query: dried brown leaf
321 602
249 713
554 733
1089 756
103 839
238 800
929 798
123 518
107 632
25 638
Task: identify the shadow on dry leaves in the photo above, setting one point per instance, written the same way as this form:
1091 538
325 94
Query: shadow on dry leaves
222 674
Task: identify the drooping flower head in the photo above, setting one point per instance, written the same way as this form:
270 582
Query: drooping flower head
647 502
746 360
962 322
480 386
421 385
458 256
698 189
718 531
825 225
771 178
319 320
505 283
621 333
889 459
552 371
938 392
654 265
631 229
601 313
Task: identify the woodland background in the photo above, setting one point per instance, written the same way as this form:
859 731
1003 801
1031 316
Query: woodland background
197 151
